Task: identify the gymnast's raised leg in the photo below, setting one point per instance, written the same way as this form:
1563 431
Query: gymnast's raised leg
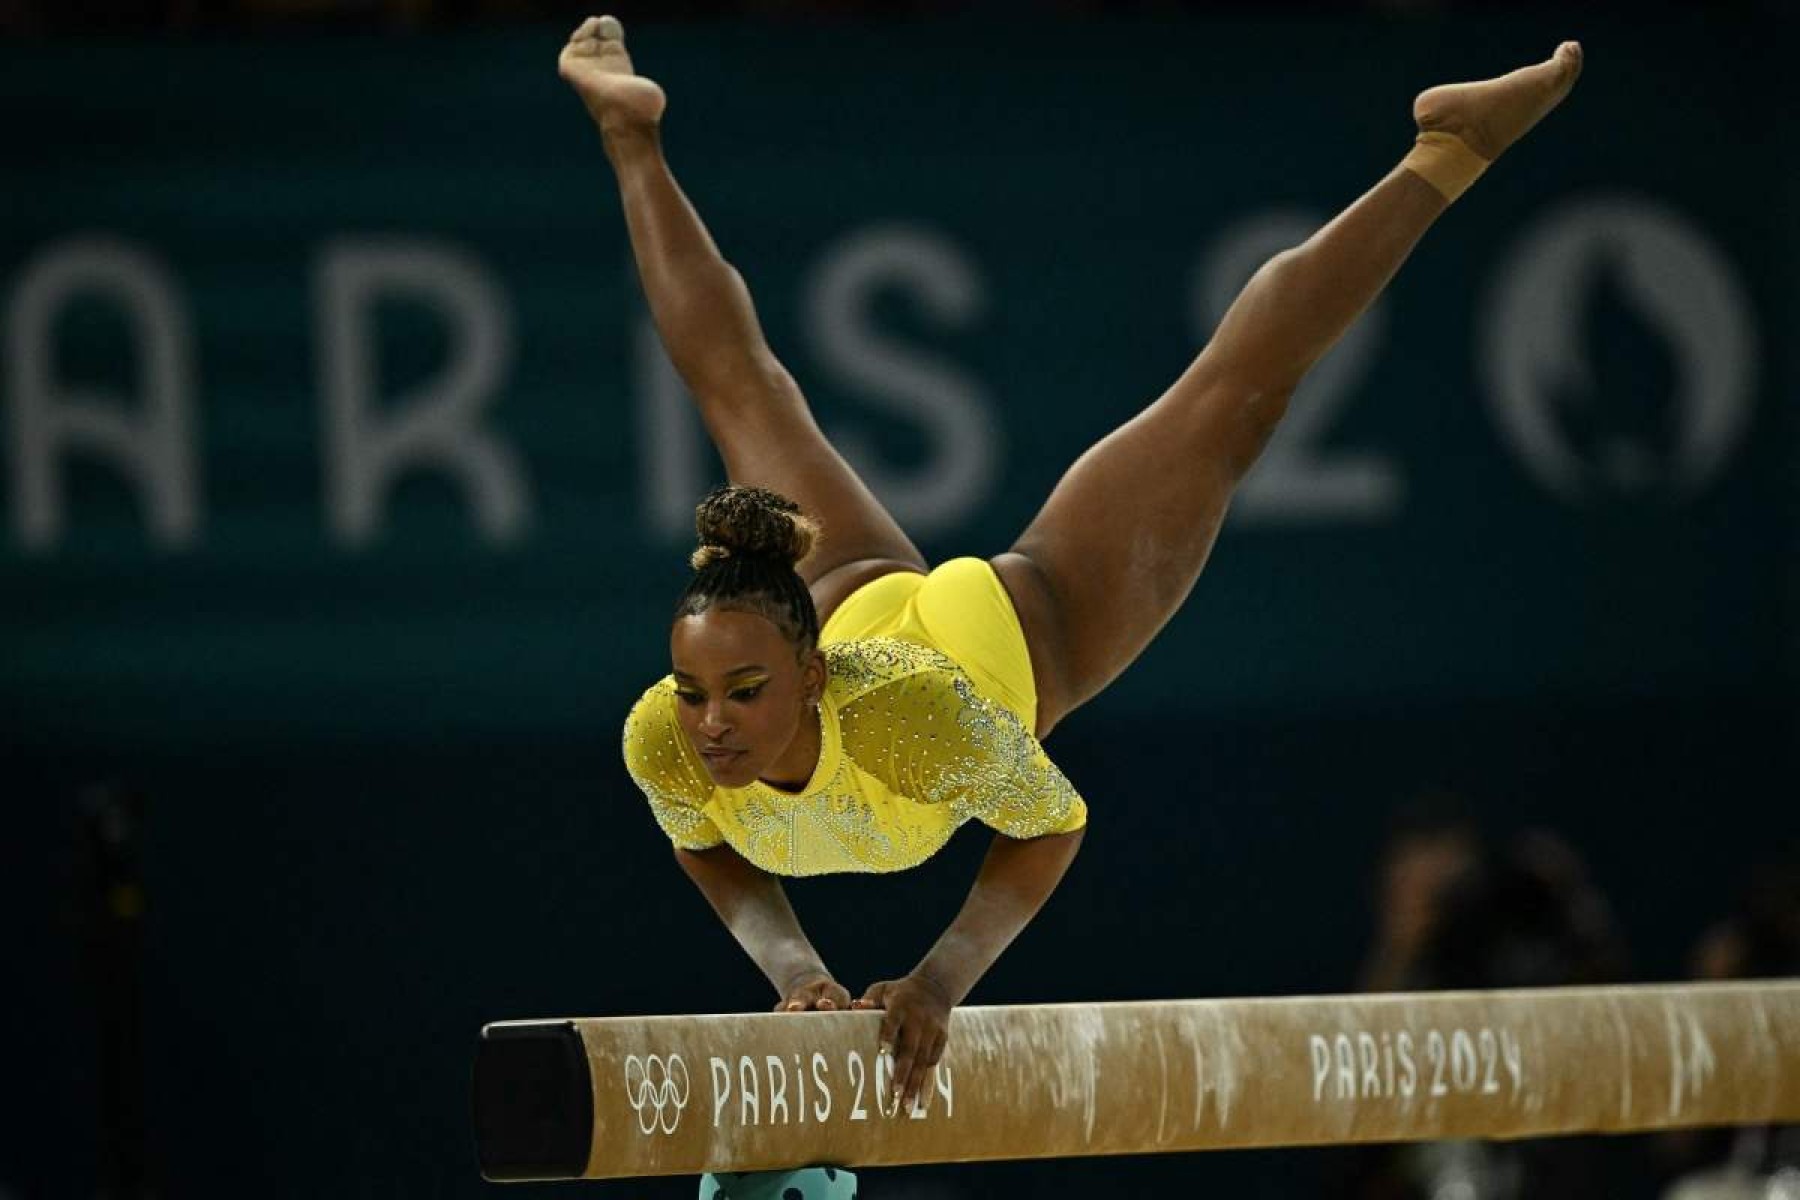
752 407
1124 535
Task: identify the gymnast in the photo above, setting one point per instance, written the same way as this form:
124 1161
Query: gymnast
836 703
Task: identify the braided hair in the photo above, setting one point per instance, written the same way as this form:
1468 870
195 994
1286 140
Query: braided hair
751 539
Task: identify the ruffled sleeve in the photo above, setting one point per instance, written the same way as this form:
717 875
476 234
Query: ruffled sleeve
660 763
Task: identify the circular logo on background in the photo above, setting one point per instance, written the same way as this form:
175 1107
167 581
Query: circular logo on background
1618 351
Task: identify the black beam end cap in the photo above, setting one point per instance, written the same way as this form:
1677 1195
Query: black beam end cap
533 1101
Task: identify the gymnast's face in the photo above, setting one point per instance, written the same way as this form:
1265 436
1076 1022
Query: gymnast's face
746 699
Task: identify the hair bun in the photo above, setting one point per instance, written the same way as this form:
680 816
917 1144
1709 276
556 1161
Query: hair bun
752 522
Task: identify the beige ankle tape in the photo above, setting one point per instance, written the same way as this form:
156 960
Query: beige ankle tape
1445 162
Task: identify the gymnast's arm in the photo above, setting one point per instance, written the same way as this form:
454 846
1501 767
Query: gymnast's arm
755 909
1015 879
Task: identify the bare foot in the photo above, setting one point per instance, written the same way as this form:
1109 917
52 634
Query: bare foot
596 65
1491 114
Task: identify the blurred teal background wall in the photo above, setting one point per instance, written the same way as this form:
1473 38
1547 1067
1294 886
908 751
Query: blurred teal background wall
347 492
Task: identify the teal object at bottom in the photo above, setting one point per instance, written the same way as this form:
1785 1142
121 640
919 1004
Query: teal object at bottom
809 1183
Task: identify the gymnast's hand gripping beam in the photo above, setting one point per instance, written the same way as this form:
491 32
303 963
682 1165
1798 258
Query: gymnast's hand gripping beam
634 1096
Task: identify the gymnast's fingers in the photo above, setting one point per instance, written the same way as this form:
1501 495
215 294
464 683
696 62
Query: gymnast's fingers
820 993
831 996
936 1054
906 1058
891 1025
874 997
930 1053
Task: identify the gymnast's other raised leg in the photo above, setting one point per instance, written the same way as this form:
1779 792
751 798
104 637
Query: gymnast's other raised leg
752 407
1123 537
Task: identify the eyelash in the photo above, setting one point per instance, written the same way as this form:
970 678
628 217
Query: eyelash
742 695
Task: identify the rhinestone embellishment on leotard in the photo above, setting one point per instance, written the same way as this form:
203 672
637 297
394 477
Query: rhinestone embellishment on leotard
923 752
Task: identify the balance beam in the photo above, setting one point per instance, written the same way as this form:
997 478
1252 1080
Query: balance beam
634 1096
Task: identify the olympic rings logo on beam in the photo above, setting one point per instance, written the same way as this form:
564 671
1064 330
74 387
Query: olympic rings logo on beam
657 1089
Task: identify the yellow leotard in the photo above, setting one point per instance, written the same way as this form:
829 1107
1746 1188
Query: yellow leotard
925 724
